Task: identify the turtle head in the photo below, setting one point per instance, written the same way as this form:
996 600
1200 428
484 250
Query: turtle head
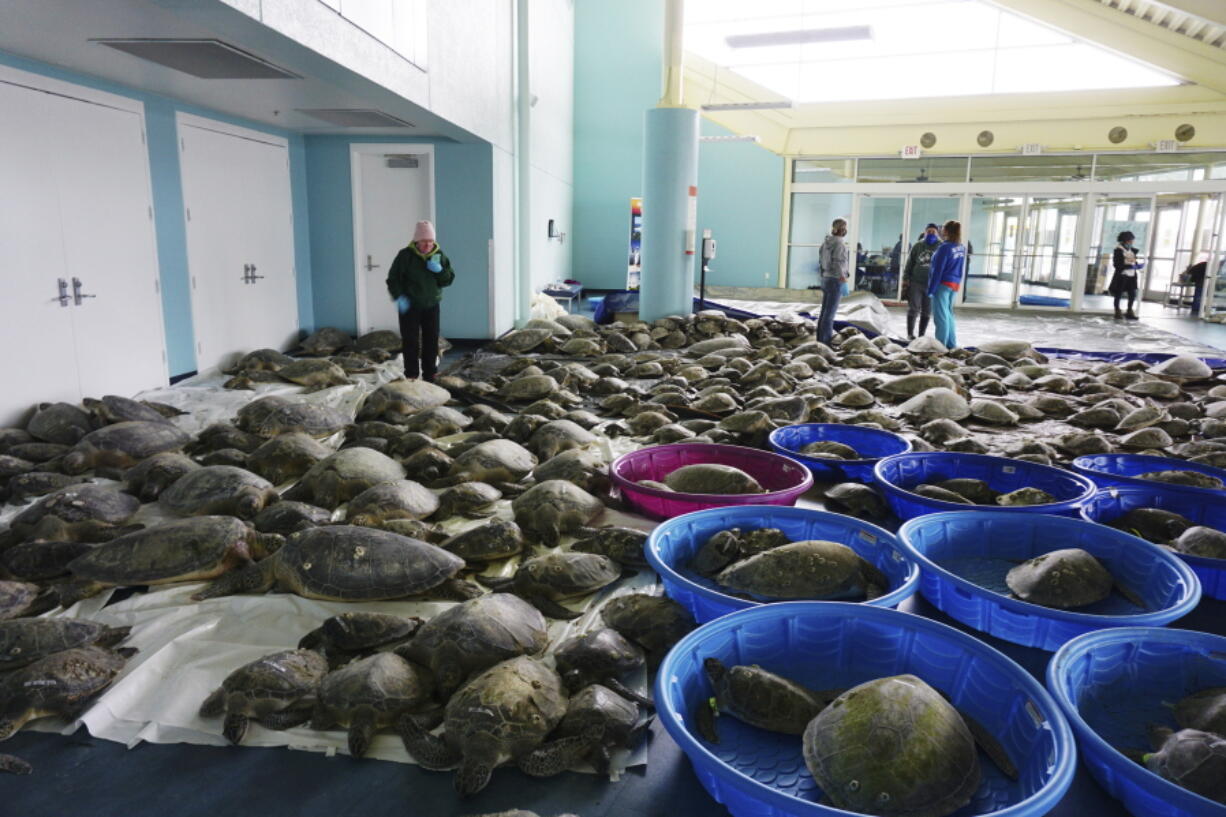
715 670
250 501
74 463
265 544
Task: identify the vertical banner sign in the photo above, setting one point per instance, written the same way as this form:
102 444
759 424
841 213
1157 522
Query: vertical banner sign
691 220
635 271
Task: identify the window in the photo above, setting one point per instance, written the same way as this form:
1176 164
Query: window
926 169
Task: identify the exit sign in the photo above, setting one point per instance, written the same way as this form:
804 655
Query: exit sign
1032 149
1166 146
911 152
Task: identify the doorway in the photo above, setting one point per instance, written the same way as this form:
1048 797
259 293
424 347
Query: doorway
393 189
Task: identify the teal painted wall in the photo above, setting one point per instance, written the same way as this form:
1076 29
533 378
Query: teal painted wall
169 225
740 185
463 194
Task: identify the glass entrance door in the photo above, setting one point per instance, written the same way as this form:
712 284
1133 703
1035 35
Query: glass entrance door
1112 216
880 244
994 238
922 211
1048 253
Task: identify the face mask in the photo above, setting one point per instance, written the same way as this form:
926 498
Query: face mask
930 239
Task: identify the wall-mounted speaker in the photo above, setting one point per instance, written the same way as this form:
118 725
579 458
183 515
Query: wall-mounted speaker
1117 134
985 138
1184 133
928 139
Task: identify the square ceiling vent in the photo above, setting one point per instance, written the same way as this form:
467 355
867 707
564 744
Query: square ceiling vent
206 59
356 118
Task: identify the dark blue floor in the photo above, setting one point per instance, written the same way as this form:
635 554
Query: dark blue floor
80 775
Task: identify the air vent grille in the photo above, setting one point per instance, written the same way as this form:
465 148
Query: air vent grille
206 59
356 118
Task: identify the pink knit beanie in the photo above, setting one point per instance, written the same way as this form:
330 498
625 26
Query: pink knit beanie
424 232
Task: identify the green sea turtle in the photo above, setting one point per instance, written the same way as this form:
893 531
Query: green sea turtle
759 698
346 636
655 623
498 539
1200 540
278 691
60 423
551 509
399 399
558 576
596 707
1194 479
87 509
856 499
370 694
711 478
1156 525
474 500
270 416
1204 709
601 656
285 518
314 373
1189 758
1065 579
112 408
812 569
24 641
150 477
326 341
398 499
342 476
19 599
1025 496
218 489
123 445
621 544
63 684
40 561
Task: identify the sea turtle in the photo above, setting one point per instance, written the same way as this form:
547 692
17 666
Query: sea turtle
712 478
473 500
278 691
503 714
1158 389
526 388
855 397
1140 418
270 416
1195 479
218 489
757 697
989 411
1147 438
427 464
601 656
326 341
473 636
342 476
1156 525
929 491
224 435
497 462
112 408
261 360
285 518
123 445
437 421
24 641
1007 349
384 339
621 544
896 746
39 561
732 545
1201 541
925 345
1183 369
344 563
370 694
1204 709
976 490
941 431
60 423
811 569
519 341
40 452
933 404
912 384
554 508
86 509
18 599
498 539
398 499
201 547
558 576
596 707
22 487
557 436
1189 758
63 683
1025 496
583 467
150 477
1065 579
856 499
286 457
655 623
829 449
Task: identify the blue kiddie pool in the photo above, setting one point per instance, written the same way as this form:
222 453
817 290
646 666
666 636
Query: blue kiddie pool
1124 469
872 444
1113 685
965 556
1112 503
755 773
898 475
674 543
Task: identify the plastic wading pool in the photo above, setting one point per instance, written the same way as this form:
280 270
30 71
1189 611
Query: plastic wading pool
1123 469
872 444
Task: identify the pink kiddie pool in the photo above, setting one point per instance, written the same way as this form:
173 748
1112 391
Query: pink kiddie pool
783 478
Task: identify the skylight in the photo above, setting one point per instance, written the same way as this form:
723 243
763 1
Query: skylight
817 51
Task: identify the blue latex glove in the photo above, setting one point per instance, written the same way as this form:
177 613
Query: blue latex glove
402 304
1139 265
433 264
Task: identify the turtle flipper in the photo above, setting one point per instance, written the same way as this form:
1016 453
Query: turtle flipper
68 593
214 705
112 636
556 756
628 693
14 765
235 727
704 720
430 751
1132 597
552 609
458 590
495 582
255 577
361 731
472 777
285 719
990 746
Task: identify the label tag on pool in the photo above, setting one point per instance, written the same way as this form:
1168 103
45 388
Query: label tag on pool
868 537
1009 469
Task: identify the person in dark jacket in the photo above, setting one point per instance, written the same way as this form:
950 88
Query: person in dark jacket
915 276
1195 275
944 281
416 282
1124 281
832 257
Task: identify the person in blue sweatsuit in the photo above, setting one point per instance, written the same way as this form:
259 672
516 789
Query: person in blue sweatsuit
944 281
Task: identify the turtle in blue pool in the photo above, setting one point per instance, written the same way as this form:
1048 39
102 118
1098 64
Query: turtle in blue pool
1205 709
757 697
1066 579
1194 479
812 569
1189 758
895 746
1153 524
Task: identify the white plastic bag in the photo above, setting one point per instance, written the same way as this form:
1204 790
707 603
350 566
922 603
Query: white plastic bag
543 306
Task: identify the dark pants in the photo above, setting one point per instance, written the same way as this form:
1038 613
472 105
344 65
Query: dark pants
419 332
919 305
832 291
1123 286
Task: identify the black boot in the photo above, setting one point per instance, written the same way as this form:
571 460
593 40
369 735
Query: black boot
1130 316
1119 316
910 327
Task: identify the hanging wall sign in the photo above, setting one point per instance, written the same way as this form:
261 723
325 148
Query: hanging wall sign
635 270
691 220
911 152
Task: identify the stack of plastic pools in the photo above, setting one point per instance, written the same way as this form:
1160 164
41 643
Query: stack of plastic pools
1113 685
673 544
784 479
965 556
1210 511
1125 470
823 646
898 475
872 444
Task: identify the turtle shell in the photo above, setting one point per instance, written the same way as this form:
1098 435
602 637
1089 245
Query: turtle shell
60 683
287 457
25 641
813 569
60 423
113 408
17 598
349 563
38 561
1205 709
494 540
183 550
383 682
710 478
286 518
218 489
401 499
1202 541
313 419
893 746
1195 760
345 474
554 507
934 404
653 622
78 503
597 705
326 341
1063 579
123 444
150 477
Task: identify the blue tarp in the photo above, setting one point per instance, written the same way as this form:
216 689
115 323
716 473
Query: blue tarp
1042 300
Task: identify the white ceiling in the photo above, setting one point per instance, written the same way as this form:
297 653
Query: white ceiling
59 32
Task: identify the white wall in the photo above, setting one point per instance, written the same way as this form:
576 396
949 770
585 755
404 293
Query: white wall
502 292
551 45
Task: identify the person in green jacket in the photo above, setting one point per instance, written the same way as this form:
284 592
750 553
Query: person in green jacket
919 304
416 282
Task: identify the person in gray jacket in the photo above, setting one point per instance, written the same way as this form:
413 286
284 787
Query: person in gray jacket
833 260
915 276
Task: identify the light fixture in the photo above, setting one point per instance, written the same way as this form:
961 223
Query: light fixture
748 106
730 138
800 37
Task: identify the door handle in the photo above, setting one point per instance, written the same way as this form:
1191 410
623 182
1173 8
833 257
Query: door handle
77 294
254 277
246 279
369 264
63 296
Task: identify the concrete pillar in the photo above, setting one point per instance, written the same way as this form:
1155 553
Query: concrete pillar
670 172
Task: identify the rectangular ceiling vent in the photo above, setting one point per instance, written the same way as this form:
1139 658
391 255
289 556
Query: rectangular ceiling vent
402 160
206 59
356 118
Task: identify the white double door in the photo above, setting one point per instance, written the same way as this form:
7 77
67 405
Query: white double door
393 189
76 207
240 242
